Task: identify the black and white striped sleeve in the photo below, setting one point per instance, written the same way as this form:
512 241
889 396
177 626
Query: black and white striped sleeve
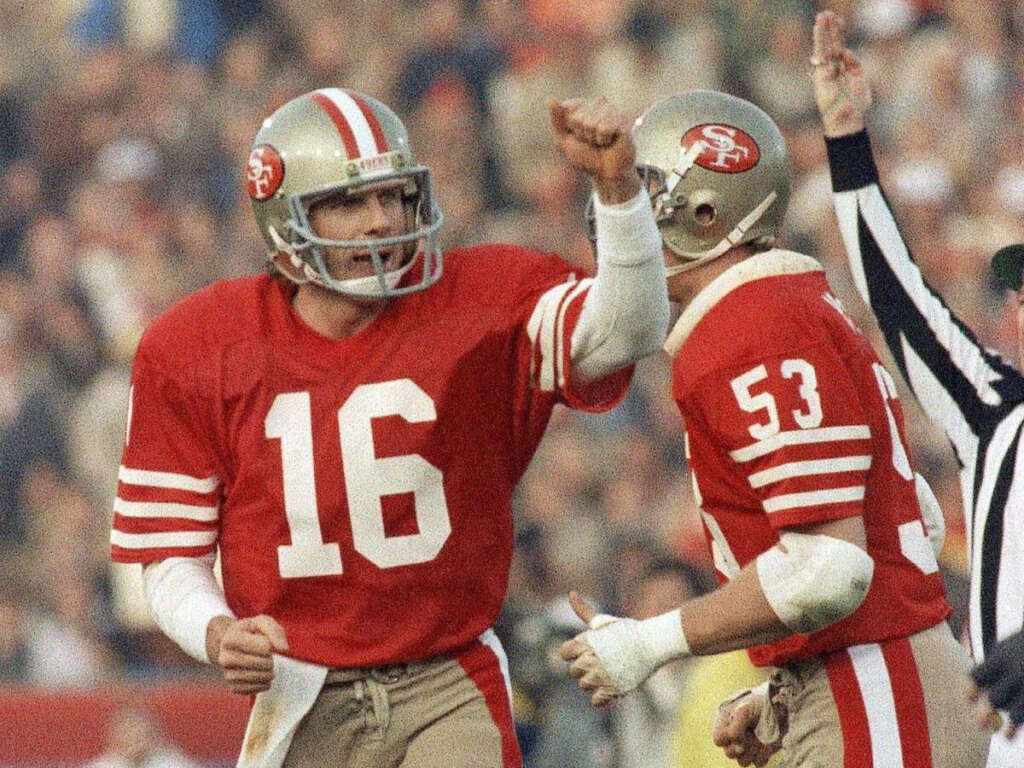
963 387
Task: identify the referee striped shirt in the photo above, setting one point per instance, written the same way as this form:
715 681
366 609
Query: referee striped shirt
975 395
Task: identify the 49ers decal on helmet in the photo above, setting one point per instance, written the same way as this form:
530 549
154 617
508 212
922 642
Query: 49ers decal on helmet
265 172
727 149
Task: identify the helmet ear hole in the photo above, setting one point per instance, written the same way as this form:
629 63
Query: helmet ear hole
705 213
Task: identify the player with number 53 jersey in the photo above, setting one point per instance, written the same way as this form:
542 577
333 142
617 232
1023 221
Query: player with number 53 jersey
347 432
822 535
791 420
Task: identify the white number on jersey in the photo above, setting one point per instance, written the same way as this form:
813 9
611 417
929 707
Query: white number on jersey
367 479
914 542
888 389
808 390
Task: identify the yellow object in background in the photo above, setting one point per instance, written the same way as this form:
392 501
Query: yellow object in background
710 680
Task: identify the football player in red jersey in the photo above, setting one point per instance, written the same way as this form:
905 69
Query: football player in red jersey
347 432
799 465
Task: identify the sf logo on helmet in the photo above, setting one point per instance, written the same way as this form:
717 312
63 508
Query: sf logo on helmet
726 149
265 172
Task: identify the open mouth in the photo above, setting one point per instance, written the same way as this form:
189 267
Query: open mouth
366 258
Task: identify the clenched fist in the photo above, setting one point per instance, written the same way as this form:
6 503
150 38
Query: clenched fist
594 137
243 649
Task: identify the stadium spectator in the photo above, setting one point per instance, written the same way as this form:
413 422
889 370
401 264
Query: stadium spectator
135 741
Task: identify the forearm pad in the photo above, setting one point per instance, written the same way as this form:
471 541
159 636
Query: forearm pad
812 581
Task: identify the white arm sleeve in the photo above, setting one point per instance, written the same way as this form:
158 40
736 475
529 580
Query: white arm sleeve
183 596
625 314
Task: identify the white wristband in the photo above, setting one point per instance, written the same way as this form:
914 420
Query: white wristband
631 650
663 637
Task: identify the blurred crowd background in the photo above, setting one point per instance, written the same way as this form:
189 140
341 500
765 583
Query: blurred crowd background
124 128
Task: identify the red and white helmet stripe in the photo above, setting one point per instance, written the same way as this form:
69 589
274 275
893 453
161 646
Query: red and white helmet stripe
357 125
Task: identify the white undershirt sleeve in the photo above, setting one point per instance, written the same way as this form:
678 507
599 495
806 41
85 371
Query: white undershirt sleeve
625 314
183 596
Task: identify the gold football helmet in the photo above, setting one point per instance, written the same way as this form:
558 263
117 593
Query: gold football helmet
718 172
330 142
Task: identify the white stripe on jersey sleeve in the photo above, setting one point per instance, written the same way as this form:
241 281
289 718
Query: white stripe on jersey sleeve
541 327
581 286
879 704
810 467
800 437
356 120
170 480
813 498
162 540
165 509
128 418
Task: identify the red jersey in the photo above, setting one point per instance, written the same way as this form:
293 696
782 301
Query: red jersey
359 490
792 420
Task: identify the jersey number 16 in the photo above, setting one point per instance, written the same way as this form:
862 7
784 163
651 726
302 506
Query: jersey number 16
367 479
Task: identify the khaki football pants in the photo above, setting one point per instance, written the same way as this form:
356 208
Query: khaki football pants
448 712
881 705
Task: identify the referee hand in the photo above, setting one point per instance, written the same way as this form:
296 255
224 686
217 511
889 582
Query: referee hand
1001 678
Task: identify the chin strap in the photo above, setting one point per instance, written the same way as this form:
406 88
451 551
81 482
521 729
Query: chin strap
687 157
734 238
296 262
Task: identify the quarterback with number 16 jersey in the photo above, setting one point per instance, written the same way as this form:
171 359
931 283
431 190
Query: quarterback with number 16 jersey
346 433
358 489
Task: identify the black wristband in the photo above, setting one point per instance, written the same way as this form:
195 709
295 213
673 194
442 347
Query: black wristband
850 161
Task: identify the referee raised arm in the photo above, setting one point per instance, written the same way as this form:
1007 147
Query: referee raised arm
974 395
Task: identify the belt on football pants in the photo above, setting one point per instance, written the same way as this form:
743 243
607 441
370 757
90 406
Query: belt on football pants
386 673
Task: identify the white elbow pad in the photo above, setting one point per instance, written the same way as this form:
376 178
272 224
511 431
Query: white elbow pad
183 596
816 581
931 514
